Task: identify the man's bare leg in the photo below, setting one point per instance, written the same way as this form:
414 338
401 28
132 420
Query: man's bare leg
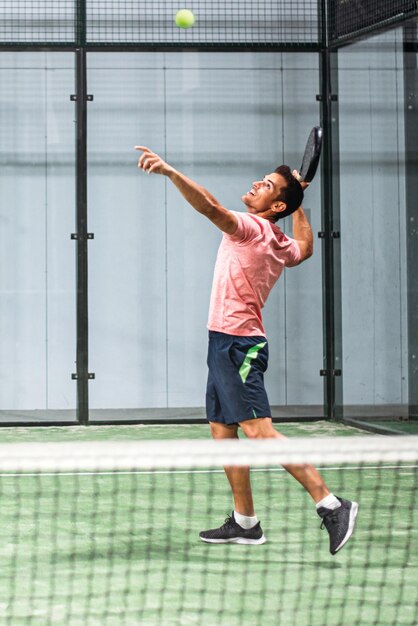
307 475
238 477
338 515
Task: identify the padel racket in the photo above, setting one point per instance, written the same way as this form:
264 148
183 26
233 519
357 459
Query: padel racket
311 156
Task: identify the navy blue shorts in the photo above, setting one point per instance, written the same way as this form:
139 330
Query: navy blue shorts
235 390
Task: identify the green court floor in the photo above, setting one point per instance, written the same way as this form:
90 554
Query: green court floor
169 431
123 549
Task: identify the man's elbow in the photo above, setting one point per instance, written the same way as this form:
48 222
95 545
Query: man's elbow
306 253
222 218
309 253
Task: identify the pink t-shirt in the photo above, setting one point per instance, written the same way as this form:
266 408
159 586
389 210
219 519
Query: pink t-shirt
248 265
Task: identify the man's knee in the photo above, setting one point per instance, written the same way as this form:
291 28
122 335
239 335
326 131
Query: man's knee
260 428
223 431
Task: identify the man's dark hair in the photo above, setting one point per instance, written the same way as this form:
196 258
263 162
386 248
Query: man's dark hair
292 194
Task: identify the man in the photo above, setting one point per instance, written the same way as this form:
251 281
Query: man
251 257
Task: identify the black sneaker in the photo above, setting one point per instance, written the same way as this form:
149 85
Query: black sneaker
231 532
339 523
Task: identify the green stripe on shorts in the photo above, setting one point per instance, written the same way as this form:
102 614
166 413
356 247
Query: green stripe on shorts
252 354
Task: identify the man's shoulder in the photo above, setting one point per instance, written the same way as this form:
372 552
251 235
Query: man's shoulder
249 218
249 227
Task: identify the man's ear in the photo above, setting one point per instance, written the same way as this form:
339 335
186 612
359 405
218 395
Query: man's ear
279 206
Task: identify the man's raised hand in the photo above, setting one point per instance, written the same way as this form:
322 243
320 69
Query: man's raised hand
151 162
296 174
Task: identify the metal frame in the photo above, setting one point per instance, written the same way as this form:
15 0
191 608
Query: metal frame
166 47
328 97
331 258
81 238
331 270
410 55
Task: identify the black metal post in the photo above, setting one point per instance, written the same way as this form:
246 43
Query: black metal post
331 257
411 183
81 236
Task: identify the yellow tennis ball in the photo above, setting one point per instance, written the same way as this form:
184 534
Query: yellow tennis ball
185 18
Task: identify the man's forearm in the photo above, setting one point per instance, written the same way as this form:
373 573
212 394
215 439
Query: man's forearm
195 194
302 231
203 201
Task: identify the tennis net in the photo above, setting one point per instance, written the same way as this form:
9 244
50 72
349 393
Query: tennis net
107 533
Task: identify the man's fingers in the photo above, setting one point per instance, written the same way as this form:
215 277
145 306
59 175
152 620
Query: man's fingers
142 163
145 159
148 161
146 152
152 168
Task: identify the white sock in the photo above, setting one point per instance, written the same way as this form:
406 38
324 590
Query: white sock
245 521
329 502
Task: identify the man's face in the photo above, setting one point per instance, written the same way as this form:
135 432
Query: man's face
261 199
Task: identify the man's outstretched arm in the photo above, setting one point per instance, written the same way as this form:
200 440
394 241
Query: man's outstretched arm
196 195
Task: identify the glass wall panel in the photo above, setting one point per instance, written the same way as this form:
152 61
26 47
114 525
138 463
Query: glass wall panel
225 120
373 228
37 285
